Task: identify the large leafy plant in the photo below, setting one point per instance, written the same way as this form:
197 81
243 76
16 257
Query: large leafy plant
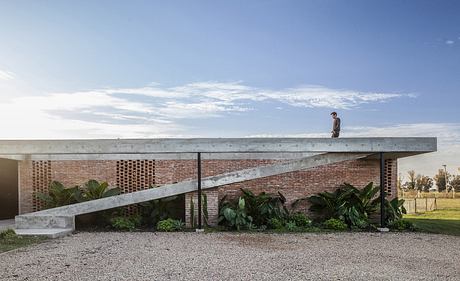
160 209
95 190
347 203
263 207
235 216
58 195
354 206
394 210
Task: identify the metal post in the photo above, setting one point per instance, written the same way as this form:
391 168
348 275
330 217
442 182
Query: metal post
382 190
199 189
445 176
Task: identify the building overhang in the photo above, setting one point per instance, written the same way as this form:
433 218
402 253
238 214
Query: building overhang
218 145
216 148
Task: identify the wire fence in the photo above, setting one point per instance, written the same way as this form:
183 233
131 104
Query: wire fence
411 194
418 205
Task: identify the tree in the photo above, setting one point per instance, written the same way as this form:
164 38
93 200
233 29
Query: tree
423 183
410 184
440 179
455 183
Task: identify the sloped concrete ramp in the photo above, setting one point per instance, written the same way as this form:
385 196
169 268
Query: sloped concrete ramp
60 221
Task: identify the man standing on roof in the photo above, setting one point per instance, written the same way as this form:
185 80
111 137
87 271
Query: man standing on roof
335 125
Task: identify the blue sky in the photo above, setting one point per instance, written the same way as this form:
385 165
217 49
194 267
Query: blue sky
93 69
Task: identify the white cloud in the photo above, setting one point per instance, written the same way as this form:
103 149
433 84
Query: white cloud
153 110
6 75
449 42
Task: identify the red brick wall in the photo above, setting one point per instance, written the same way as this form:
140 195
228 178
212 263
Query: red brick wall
25 187
71 173
300 184
391 178
292 185
35 176
212 198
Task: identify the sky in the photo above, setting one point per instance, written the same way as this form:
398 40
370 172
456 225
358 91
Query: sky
148 69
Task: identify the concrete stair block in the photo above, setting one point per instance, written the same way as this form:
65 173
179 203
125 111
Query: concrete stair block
45 222
45 232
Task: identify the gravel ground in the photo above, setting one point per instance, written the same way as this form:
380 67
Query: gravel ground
232 256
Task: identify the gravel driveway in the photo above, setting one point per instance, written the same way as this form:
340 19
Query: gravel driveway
231 256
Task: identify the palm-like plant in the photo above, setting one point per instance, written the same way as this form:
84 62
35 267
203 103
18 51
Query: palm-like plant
263 207
159 209
347 203
95 190
58 195
394 210
237 216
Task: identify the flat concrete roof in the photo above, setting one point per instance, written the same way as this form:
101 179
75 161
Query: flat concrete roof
404 145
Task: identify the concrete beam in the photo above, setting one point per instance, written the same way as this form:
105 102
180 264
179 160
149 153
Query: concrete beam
164 156
190 186
219 145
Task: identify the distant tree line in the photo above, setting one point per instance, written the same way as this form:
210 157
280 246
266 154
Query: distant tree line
425 183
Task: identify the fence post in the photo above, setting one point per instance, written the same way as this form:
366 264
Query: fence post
415 205
200 226
382 190
426 204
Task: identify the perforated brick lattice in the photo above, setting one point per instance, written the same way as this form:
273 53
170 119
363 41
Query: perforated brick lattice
135 175
41 178
390 166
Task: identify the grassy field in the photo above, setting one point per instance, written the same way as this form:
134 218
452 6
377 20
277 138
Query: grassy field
445 220
10 241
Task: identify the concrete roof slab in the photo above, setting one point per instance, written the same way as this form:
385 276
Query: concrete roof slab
218 145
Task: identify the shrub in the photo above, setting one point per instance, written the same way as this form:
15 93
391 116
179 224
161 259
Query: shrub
291 226
235 216
394 210
169 225
125 223
58 195
347 203
94 190
353 206
160 209
264 206
275 223
335 224
401 225
300 219
8 234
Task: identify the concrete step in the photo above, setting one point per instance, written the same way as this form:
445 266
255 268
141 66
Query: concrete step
44 222
45 232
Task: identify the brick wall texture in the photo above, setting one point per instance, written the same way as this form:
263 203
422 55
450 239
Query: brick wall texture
133 175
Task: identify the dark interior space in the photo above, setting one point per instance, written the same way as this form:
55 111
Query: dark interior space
8 189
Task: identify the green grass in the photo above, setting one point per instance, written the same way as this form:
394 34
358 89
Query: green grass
445 220
11 241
